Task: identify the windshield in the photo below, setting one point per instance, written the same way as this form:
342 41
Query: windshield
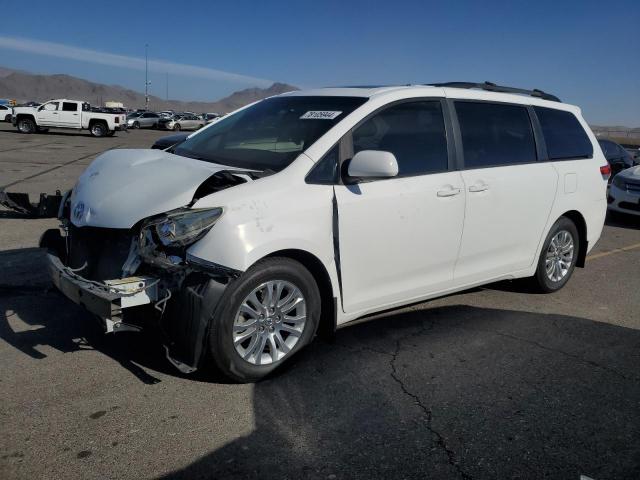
270 134
134 114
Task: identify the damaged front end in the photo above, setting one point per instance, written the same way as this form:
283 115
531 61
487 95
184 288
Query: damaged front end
47 206
143 277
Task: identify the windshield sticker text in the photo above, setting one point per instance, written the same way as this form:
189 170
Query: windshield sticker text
320 115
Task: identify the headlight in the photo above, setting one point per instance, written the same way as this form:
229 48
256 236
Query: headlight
184 226
618 181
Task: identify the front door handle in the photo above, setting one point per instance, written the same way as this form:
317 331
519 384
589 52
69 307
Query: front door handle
449 193
478 188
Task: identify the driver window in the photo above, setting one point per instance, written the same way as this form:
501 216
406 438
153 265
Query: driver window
413 131
50 107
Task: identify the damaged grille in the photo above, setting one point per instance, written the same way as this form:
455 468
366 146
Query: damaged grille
101 251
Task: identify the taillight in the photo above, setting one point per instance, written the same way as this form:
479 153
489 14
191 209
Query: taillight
605 171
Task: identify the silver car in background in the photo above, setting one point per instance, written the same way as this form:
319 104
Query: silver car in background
143 120
624 192
185 121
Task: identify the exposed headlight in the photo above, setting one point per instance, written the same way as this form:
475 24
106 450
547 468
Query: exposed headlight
619 182
184 226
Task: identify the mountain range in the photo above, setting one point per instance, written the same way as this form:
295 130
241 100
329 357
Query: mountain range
24 86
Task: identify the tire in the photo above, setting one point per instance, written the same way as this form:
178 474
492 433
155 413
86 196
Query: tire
26 125
154 126
176 127
136 125
111 133
8 118
563 231
250 367
98 129
42 130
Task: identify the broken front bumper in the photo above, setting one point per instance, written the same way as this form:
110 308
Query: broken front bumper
108 299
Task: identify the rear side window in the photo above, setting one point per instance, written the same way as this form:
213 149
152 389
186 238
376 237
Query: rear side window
414 132
495 134
563 134
69 107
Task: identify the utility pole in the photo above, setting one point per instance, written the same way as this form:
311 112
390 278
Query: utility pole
146 76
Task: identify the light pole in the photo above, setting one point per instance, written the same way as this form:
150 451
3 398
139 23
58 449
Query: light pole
146 76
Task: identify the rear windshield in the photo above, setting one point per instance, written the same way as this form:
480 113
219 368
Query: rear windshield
270 134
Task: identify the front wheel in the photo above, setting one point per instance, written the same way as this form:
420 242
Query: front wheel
136 125
558 256
176 127
265 317
26 125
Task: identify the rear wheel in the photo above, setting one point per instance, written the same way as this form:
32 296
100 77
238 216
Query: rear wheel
99 129
7 118
26 125
558 256
265 317
111 133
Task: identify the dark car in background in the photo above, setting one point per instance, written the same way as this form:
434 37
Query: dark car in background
169 141
619 158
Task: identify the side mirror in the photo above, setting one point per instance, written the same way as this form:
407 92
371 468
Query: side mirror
371 164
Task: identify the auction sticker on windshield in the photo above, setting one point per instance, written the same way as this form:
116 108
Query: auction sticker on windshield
320 115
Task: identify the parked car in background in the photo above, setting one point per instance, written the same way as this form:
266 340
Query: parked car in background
169 141
5 113
185 121
143 120
210 117
311 209
624 192
617 156
166 113
63 113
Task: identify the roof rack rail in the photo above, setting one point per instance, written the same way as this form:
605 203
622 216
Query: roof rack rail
492 87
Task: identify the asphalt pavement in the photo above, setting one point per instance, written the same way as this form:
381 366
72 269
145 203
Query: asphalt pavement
496 382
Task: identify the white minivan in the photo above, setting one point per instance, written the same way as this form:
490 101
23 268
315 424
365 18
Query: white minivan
302 212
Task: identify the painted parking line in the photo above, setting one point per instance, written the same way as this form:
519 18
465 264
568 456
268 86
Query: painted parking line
615 250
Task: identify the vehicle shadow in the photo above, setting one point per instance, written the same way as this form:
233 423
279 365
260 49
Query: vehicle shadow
444 392
622 220
450 392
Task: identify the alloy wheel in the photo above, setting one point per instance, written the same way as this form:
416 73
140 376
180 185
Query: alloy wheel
559 256
269 322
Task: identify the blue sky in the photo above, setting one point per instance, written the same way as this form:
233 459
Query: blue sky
585 52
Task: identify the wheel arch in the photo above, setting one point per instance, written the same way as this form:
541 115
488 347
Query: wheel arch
22 116
328 300
93 121
578 219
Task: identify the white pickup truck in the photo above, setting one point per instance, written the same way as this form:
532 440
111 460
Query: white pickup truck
72 114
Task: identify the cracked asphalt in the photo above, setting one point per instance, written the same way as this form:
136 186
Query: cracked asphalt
496 382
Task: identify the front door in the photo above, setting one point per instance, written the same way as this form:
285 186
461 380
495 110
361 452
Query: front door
399 237
48 114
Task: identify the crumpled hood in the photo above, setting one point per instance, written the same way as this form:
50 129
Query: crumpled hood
121 187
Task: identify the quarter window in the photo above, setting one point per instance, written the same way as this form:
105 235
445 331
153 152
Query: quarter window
414 132
564 136
495 134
